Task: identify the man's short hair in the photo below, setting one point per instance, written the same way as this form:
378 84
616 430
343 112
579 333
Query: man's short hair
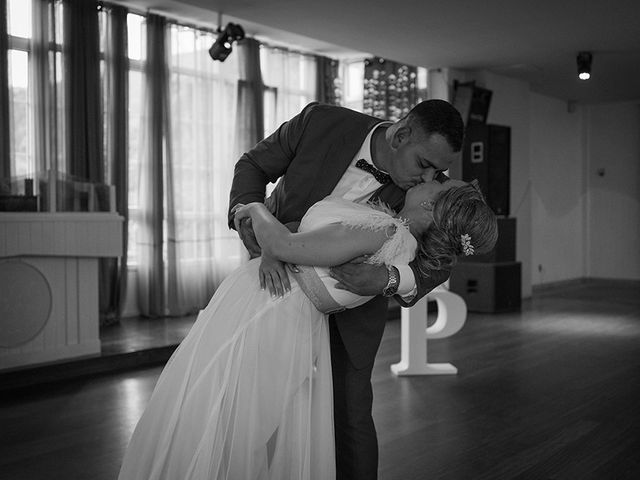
439 116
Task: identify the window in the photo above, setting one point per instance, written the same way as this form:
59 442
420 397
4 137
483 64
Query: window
35 89
136 44
22 162
203 104
352 72
290 84
19 29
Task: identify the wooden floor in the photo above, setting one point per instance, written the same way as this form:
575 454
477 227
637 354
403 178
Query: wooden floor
552 392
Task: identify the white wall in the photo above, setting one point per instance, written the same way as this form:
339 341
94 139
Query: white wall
613 182
557 191
571 222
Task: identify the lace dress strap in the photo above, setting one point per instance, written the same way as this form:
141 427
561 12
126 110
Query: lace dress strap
398 234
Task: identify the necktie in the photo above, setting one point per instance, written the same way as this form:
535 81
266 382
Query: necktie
379 175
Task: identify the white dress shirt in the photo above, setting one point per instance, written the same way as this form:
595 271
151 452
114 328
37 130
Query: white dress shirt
358 186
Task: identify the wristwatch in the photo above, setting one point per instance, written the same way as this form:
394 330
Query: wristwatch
393 283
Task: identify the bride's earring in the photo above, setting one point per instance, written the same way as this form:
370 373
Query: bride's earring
427 205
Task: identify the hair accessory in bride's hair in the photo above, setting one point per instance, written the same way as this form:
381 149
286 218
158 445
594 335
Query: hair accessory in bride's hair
467 247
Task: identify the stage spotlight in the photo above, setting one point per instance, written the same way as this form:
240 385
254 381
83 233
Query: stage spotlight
584 65
221 48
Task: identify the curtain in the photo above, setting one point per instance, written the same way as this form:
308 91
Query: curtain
185 248
46 97
390 88
352 73
151 277
290 84
5 145
250 118
201 250
328 81
84 132
113 272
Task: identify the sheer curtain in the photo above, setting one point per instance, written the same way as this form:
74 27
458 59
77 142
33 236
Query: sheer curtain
290 80
150 246
201 250
46 92
5 150
84 109
113 272
352 74
184 247
180 242
250 117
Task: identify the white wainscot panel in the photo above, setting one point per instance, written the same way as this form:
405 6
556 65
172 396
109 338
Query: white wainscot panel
49 284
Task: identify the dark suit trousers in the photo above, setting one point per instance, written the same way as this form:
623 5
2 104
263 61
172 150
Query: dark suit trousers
356 442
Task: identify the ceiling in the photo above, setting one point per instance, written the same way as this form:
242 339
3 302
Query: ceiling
535 41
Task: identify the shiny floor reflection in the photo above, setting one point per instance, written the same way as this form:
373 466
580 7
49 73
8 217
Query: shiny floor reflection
549 392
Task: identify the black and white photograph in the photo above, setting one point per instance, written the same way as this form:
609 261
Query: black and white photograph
337 240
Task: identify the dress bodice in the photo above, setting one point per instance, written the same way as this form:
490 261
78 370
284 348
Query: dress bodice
399 249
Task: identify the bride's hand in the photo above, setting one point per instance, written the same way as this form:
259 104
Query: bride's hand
241 211
242 222
274 276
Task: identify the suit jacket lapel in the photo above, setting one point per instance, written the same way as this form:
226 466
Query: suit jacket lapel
329 146
336 160
329 171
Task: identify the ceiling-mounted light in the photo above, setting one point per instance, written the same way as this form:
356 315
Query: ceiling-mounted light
221 48
584 65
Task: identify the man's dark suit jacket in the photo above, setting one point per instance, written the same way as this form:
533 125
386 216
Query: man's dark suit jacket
311 152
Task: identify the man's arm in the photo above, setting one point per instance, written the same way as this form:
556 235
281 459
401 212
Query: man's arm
365 279
424 284
266 162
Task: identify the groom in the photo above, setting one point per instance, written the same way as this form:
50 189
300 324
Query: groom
328 150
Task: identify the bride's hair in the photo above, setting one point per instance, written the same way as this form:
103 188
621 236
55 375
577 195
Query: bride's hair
463 224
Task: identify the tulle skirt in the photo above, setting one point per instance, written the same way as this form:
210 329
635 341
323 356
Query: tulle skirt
247 394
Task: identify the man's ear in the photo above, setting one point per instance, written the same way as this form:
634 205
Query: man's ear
400 136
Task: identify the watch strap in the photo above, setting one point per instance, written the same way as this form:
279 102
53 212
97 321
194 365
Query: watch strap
393 283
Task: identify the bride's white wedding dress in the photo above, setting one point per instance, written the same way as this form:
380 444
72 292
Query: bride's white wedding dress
248 393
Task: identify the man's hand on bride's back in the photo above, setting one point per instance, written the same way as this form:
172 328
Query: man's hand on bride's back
360 278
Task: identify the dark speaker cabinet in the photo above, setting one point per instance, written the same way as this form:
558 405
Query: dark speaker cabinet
487 156
505 249
488 287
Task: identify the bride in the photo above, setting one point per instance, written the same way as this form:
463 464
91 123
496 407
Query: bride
248 393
